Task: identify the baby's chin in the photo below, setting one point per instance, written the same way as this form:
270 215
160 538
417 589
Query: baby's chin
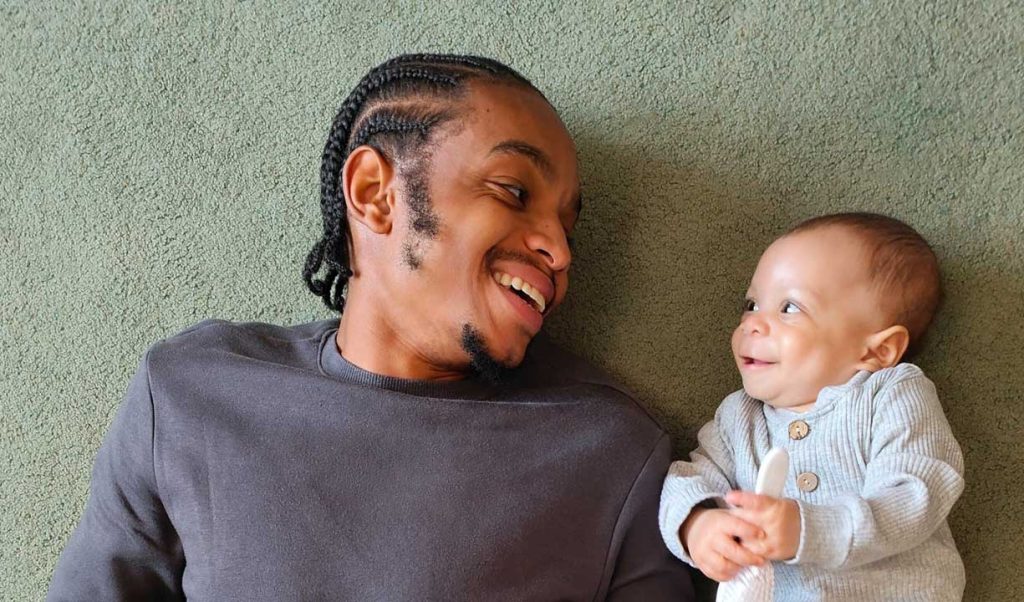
779 402
788 404
758 393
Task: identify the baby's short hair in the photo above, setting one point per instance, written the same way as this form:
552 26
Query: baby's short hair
904 268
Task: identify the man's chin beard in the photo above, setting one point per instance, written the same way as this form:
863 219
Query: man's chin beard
480 359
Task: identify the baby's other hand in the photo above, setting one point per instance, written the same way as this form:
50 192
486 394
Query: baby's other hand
710 536
778 517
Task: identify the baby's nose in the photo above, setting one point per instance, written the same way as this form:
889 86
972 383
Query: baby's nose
753 323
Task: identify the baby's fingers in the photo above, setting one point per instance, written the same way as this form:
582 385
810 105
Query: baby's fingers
748 500
718 567
757 546
742 529
736 553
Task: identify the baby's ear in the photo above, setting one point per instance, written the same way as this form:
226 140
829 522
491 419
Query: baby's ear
885 348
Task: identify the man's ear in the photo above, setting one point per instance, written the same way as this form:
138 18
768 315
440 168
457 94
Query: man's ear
885 348
368 181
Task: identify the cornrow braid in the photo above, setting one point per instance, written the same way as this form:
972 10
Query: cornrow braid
394 108
386 122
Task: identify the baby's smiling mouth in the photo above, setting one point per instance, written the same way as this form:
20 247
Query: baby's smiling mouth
754 362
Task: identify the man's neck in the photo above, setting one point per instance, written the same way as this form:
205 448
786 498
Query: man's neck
369 342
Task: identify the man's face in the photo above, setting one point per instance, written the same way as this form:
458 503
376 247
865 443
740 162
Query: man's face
810 310
503 190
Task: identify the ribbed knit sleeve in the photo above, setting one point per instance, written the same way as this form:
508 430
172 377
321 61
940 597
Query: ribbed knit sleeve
707 475
913 477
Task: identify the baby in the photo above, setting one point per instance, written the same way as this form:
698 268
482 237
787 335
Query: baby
833 307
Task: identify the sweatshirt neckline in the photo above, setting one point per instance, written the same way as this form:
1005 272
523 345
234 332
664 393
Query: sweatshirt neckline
825 401
333 364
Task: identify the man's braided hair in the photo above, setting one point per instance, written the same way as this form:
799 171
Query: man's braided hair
393 109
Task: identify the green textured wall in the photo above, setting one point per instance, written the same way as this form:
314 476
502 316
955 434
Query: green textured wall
158 165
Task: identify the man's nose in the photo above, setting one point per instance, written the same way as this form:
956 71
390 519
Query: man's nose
549 240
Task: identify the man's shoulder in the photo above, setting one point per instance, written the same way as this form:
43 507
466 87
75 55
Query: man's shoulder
212 341
549 364
559 372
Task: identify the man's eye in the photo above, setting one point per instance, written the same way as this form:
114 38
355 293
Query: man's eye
790 308
749 305
516 191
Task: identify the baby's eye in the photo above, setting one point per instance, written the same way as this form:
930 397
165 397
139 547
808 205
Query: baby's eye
790 308
750 305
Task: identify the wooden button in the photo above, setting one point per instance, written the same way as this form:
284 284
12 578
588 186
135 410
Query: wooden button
798 429
807 481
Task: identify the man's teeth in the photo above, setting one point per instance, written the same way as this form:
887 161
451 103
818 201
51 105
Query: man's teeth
518 284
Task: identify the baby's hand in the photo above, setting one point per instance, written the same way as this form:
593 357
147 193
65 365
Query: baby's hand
778 517
710 536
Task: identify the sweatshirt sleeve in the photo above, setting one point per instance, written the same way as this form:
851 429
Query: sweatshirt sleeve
642 567
124 547
709 474
913 478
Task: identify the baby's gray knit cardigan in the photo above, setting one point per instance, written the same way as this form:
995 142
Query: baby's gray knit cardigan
875 470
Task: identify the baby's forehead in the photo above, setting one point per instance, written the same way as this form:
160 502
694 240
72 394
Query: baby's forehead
823 260
845 251
835 245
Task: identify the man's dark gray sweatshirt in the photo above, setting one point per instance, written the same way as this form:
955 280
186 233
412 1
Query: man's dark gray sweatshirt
253 462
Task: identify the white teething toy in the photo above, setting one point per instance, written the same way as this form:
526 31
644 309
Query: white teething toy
755 583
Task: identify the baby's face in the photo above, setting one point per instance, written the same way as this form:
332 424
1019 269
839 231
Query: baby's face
809 313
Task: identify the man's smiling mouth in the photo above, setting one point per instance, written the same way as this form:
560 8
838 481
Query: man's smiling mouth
523 290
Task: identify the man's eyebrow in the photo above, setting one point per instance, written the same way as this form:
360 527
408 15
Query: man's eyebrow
531 152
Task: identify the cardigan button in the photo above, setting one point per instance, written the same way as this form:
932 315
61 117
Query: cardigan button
807 481
798 429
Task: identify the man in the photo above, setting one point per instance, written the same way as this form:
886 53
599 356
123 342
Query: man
415 450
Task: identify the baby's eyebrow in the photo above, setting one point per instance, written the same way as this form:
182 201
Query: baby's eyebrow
810 294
